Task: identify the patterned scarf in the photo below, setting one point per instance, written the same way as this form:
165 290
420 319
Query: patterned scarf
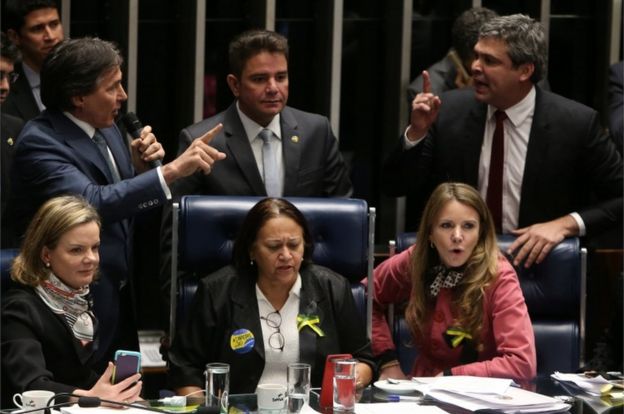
443 277
74 305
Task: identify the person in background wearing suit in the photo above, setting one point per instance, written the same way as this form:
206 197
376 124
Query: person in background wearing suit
300 156
10 126
35 27
453 71
536 157
49 331
616 107
251 314
74 147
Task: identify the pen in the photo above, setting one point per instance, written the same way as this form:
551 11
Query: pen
397 398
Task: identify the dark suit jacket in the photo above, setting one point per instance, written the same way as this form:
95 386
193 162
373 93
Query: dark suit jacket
226 301
616 106
54 157
569 158
10 128
39 350
312 163
21 102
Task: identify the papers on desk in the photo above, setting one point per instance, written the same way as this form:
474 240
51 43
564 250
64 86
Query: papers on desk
478 393
386 408
397 408
596 386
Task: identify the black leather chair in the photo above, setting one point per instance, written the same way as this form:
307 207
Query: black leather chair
554 291
205 227
6 260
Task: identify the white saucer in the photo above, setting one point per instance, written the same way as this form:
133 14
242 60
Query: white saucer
403 387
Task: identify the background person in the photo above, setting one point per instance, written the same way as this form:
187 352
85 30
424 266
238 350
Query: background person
466 310
453 70
35 27
49 331
261 295
10 127
616 104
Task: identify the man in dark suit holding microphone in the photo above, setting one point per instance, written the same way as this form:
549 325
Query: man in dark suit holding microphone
543 163
74 147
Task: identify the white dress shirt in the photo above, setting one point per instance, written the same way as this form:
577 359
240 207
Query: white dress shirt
276 361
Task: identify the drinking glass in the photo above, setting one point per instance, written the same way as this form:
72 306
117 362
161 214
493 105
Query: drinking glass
298 386
344 385
217 385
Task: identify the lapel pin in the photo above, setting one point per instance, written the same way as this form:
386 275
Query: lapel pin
294 139
10 141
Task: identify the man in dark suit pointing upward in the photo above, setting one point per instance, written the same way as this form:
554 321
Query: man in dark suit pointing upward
543 163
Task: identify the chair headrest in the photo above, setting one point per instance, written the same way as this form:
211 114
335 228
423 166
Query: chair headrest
551 288
208 227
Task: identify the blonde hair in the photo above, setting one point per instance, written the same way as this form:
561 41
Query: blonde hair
53 219
480 269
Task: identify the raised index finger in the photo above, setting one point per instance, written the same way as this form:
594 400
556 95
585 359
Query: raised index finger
208 136
426 82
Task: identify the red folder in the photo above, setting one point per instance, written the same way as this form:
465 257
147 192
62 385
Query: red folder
327 388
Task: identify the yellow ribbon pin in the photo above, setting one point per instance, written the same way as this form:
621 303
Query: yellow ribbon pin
310 320
458 336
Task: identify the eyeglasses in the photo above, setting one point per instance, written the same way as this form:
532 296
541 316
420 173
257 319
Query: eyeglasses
11 76
274 320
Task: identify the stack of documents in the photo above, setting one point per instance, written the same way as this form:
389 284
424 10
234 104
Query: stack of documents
477 393
596 386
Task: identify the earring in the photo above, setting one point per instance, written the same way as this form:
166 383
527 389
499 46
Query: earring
431 244
251 262
47 265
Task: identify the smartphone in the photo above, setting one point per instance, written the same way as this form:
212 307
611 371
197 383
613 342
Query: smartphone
127 363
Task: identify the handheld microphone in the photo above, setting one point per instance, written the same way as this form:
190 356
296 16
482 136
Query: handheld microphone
134 127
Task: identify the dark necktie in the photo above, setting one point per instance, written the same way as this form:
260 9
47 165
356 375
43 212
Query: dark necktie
271 177
99 140
495 181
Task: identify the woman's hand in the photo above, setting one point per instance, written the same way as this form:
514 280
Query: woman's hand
126 391
392 371
363 375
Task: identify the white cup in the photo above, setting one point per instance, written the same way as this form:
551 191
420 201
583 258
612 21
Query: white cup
33 399
271 397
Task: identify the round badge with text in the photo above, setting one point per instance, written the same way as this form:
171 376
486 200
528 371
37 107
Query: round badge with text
242 341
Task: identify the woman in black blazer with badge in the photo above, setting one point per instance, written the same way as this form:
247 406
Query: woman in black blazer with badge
269 308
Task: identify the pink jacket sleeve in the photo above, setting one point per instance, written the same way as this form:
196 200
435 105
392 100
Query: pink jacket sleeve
511 332
391 285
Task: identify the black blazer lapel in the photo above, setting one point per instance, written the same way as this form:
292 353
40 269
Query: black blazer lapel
473 140
309 301
240 150
539 140
292 144
245 313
